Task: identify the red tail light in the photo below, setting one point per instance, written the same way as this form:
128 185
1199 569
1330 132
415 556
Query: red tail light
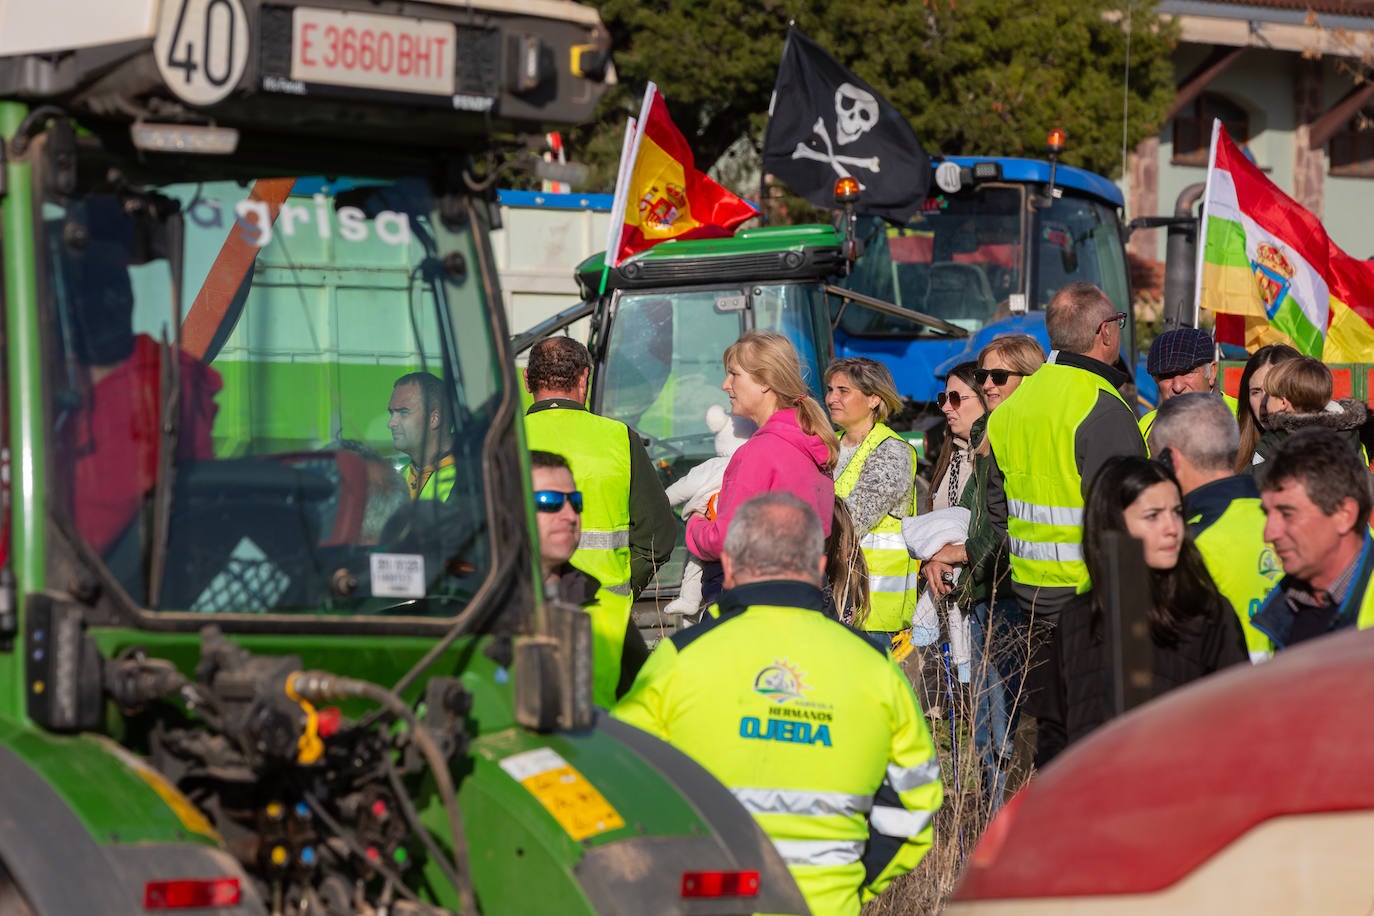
720 884
190 893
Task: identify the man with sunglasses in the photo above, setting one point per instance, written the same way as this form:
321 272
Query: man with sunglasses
558 518
1183 360
1049 439
628 528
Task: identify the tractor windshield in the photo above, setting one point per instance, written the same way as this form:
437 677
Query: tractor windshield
663 352
962 258
301 430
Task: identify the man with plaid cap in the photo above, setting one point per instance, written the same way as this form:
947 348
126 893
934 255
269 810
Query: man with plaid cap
1183 360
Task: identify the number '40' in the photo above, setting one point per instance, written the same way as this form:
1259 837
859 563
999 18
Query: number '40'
216 47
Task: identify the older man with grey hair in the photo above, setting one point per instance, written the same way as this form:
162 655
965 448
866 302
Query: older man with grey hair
814 729
1048 441
1197 437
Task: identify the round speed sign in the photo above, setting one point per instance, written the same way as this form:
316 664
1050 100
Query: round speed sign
202 48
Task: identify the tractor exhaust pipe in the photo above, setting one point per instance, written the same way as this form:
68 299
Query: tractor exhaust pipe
1180 261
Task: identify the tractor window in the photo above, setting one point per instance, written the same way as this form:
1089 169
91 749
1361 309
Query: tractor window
309 437
663 368
1080 240
798 312
959 260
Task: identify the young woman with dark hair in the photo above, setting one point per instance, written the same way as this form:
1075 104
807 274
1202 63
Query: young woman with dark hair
1192 626
1248 406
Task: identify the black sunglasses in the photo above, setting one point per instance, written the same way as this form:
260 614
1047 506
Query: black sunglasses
1119 318
954 398
998 376
552 500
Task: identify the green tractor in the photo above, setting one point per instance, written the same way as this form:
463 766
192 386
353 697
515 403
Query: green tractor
241 669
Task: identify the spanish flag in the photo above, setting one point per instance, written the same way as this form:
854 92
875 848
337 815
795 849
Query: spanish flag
660 195
1269 271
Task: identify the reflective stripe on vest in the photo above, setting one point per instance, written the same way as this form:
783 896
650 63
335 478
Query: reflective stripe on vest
603 540
898 822
1033 439
598 451
1068 516
1047 551
801 802
819 852
893 576
904 779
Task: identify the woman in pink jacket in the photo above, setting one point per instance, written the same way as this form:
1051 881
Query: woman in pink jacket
793 450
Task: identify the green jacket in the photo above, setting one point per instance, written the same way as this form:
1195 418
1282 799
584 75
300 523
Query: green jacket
988 575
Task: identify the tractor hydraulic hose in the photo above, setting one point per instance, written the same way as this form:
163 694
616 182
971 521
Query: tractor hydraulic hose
412 818
320 686
357 849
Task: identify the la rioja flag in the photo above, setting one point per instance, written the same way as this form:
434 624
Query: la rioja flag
824 123
660 194
1269 271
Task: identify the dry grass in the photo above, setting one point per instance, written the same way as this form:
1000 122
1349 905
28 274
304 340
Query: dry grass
967 810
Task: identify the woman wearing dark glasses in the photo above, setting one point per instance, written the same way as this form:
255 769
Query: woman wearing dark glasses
875 476
997 633
962 404
1004 363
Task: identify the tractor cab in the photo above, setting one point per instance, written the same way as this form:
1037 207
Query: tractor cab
269 612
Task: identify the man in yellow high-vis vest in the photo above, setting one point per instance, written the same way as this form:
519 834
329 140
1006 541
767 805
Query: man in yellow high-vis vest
1197 435
1048 441
422 429
815 730
628 528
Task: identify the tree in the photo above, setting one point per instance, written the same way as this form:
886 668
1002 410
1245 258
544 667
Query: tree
974 77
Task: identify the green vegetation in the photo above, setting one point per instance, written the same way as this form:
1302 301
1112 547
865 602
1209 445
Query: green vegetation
972 76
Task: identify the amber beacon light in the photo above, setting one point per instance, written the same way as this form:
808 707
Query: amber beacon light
846 190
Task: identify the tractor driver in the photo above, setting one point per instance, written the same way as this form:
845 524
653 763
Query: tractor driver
421 429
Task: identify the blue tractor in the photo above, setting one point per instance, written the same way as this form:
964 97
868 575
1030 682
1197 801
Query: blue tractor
985 254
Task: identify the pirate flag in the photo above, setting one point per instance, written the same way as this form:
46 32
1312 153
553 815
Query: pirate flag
825 123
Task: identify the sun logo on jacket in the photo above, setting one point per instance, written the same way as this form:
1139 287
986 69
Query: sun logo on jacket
780 682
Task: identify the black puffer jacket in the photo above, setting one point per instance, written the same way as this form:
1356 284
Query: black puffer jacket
1345 416
1205 644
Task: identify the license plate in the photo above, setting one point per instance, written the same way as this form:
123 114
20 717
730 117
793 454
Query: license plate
366 51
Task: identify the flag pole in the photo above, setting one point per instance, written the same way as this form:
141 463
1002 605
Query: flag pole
772 100
629 154
622 190
1202 226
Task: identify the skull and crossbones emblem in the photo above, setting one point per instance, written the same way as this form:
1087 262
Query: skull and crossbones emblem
856 112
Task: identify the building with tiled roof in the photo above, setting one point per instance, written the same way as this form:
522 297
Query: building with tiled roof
1294 83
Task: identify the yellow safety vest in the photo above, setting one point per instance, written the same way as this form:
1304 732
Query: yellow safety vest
893 576
1366 618
1147 422
1033 439
598 451
816 732
1244 567
434 482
